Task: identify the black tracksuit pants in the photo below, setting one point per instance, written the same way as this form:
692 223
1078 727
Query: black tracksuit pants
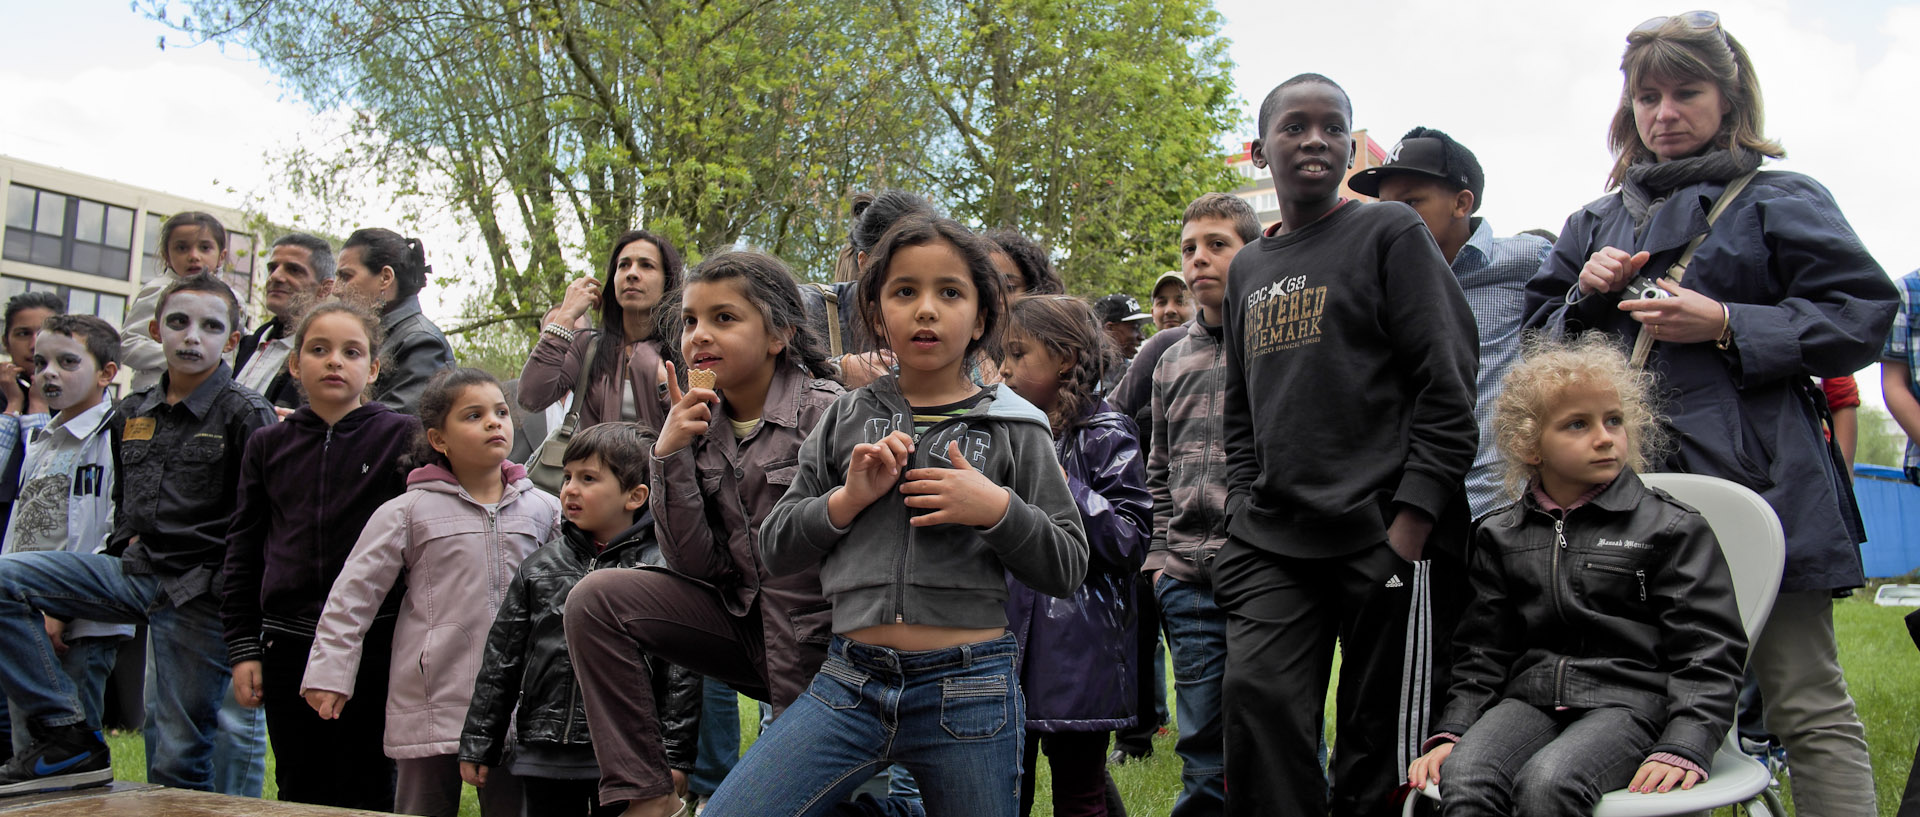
1284 616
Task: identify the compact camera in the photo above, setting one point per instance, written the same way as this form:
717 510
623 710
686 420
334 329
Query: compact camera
1644 288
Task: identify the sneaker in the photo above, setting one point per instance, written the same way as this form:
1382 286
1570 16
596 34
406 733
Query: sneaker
1121 757
70 757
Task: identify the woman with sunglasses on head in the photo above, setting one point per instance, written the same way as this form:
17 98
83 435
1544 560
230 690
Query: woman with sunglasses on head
1737 287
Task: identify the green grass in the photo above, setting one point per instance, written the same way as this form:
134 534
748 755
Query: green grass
1880 659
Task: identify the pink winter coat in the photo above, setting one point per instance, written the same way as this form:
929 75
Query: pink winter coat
458 558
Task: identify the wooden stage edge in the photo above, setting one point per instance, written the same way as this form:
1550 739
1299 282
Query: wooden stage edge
146 800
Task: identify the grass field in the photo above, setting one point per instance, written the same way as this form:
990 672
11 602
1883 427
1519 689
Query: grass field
1883 670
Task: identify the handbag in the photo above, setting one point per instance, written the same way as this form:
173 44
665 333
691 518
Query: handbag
1643 342
547 466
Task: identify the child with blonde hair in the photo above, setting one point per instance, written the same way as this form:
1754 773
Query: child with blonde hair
1603 646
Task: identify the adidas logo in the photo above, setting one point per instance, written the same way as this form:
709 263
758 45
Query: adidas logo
1394 581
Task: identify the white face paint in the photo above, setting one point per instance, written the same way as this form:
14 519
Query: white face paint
63 372
194 331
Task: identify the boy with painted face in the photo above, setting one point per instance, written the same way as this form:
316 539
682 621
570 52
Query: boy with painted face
1348 427
66 485
176 456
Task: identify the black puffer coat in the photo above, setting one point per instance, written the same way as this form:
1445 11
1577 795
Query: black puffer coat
526 663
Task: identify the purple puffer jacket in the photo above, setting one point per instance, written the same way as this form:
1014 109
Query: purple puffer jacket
1077 653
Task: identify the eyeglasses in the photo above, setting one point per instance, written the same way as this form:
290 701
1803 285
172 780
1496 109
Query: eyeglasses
1702 20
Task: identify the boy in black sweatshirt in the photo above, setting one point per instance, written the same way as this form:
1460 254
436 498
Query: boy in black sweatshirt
1350 359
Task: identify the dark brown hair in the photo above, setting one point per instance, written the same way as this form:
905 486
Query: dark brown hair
436 402
921 230
769 286
613 321
1066 327
100 338
626 449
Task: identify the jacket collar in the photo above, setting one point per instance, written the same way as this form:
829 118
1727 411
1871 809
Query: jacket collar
582 542
1623 494
436 477
399 311
200 401
1678 221
305 418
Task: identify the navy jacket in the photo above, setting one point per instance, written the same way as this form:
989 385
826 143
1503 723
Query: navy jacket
1077 653
1806 301
306 490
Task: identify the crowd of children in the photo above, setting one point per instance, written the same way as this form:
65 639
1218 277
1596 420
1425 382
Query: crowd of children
930 517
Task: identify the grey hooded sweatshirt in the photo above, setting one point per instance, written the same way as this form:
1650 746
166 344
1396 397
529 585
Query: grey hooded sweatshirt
882 570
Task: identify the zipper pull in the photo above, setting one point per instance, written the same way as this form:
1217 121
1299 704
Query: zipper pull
1560 532
1642 576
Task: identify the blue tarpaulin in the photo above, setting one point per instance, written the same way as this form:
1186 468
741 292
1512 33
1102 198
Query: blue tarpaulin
1890 506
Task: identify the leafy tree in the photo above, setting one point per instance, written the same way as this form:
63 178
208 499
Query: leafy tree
1881 441
547 127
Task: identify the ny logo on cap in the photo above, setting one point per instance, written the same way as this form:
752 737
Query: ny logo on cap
1394 155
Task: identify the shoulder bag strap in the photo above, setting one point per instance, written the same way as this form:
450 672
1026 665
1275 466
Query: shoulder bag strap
1643 343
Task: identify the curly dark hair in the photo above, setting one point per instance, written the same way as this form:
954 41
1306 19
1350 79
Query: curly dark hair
1035 267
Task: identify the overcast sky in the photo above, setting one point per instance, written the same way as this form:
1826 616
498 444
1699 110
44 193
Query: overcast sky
1528 86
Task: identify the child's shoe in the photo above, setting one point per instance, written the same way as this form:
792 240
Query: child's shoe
68 757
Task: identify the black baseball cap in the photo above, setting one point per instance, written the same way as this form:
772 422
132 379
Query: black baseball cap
1430 153
1119 309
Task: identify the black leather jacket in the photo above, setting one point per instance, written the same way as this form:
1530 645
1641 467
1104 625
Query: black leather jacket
526 661
1623 601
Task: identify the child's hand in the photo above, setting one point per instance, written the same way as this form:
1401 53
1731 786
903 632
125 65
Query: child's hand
957 496
474 773
326 704
1426 768
1655 776
871 472
248 689
679 783
687 420
56 632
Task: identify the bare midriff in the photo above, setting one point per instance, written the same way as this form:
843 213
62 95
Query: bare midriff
915 637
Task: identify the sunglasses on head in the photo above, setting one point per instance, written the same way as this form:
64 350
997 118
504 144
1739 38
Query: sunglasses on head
1693 19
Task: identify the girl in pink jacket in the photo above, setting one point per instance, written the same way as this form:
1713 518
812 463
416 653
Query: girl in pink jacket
457 535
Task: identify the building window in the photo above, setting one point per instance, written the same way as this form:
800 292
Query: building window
54 230
105 305
150 262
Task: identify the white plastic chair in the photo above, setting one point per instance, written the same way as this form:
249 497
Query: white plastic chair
1756 551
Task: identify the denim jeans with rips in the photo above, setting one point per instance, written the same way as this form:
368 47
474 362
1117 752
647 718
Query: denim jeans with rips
953 717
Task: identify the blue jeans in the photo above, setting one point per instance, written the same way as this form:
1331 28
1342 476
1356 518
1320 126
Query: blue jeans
1197 639
1519 759
183 703
953 717
88 662
719 749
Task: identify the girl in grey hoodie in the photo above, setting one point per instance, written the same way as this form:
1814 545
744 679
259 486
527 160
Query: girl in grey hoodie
916 495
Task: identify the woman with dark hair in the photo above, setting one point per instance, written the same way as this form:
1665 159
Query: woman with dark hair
626 372
1738 287
382 271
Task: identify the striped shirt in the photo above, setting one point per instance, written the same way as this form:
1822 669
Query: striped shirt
1493 274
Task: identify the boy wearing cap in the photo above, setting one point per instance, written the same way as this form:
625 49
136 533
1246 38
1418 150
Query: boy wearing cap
1441 180
1123 321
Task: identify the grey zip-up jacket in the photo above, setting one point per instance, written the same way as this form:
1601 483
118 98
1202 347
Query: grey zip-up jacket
882 570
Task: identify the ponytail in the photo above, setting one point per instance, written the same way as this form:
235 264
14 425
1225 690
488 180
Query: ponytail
386 248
